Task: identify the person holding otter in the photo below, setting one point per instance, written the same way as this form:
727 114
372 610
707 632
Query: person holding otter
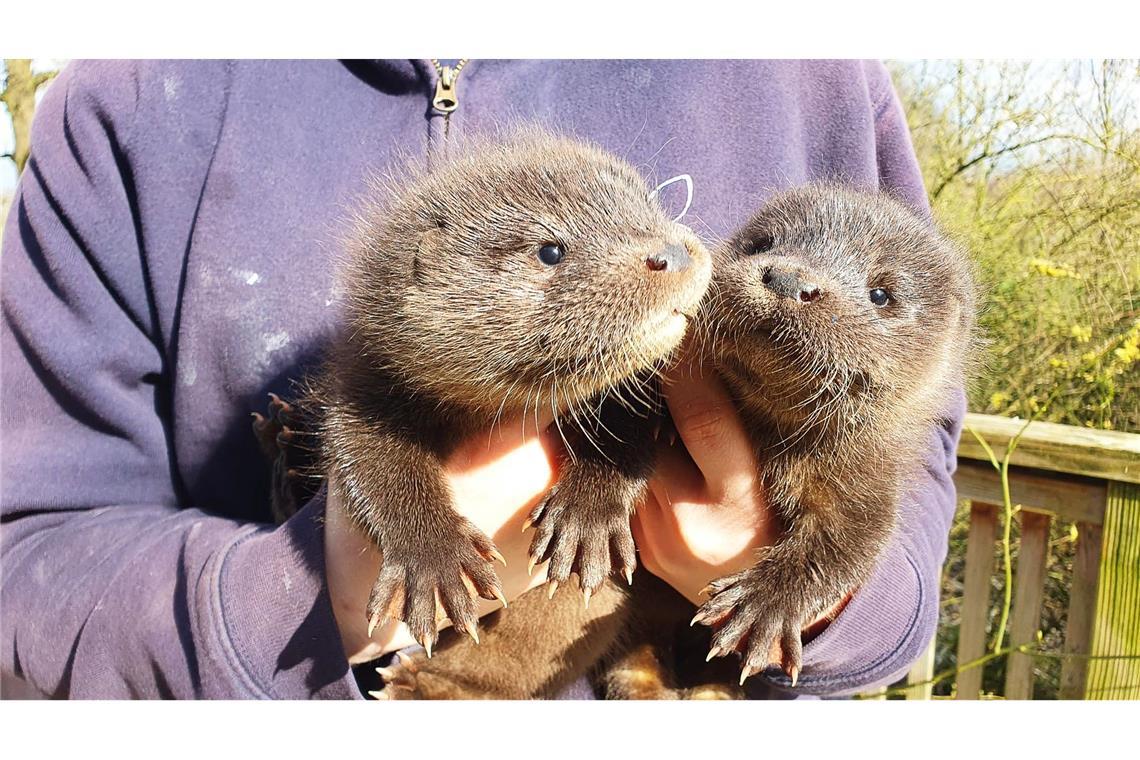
136 555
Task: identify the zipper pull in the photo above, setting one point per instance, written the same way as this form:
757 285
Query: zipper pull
446 99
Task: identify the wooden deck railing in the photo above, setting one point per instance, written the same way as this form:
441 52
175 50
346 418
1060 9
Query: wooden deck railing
1090 478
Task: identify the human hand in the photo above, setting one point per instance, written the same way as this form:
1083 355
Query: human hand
496 479
706 515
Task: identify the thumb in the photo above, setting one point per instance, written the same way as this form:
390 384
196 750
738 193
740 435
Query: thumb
706 420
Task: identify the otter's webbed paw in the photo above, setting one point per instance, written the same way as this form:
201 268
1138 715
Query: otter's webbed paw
583 527
760 613
278 433
437 574
273 429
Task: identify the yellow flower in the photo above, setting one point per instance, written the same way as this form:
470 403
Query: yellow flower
998 399
1059 363
1051 269
1081 333
1127 353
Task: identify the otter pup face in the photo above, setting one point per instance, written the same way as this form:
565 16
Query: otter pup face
835 296
529 271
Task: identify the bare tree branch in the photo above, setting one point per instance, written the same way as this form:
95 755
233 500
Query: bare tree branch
20 97
984 155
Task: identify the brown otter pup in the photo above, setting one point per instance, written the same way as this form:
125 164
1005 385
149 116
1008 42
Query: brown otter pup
840 322
519 275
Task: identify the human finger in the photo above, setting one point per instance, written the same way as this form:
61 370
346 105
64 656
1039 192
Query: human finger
709 426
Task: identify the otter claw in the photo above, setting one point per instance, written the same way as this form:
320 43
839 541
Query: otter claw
582 528
749 615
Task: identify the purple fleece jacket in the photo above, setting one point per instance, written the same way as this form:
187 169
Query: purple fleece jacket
167 262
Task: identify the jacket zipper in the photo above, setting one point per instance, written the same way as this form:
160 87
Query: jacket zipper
446 99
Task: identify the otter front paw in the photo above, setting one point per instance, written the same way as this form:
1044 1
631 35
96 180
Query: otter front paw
437 574
760 615
412 676
279 433
401 677
584 529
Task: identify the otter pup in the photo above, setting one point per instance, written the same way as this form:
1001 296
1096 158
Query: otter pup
840 322
520 275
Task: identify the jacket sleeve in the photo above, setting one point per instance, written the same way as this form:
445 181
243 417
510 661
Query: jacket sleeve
891 619
112 587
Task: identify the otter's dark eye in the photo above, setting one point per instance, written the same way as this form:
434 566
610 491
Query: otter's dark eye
880 296
762 243
550 254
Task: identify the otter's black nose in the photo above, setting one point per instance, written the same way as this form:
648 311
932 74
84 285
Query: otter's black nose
672 258
789 284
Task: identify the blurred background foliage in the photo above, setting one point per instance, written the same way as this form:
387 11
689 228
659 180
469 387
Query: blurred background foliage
1035 167
22 84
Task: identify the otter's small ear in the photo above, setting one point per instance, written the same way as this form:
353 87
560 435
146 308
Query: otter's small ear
755 239
427 251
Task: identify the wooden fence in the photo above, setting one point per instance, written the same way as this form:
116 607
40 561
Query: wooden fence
1090 478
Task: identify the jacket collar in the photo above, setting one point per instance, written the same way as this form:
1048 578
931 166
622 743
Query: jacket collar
393 75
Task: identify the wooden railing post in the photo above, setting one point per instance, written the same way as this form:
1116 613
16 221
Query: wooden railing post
1116 622
920 674
1082 606
1030 590
976 595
